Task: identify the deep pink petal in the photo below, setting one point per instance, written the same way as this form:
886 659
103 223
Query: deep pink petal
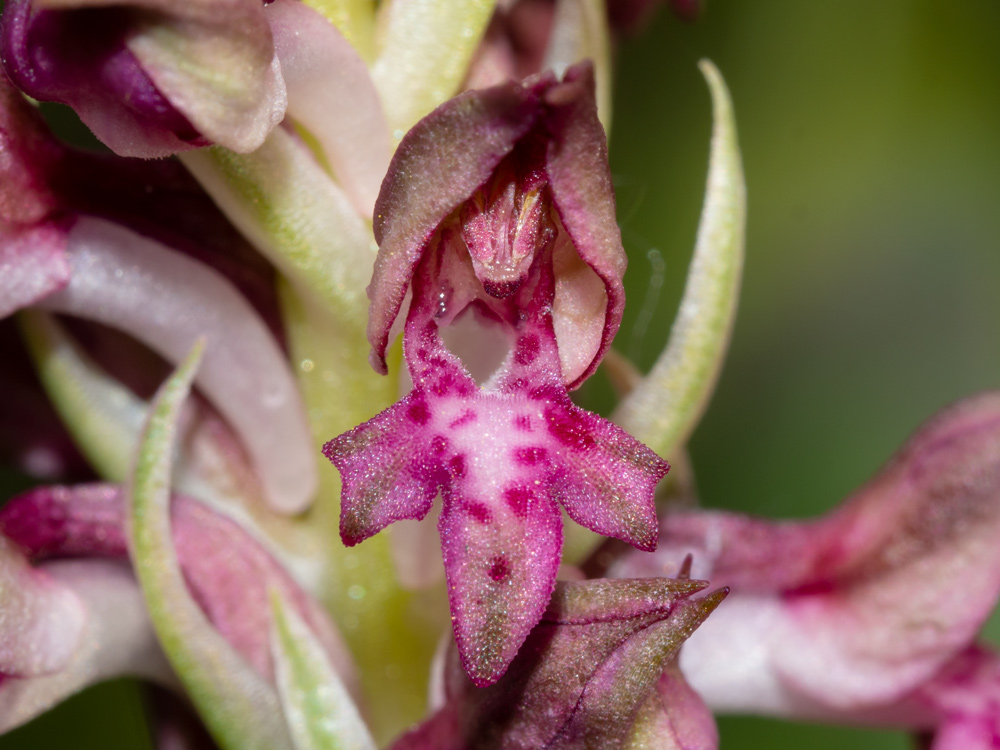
386 470
80 59
607 478
26 152
135 75
501 562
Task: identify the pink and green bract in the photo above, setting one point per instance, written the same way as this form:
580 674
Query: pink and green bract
507 217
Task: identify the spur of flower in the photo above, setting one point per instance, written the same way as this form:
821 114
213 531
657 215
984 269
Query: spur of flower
497 211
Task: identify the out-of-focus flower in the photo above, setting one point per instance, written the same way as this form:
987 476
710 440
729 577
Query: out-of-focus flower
868 614
55 248
150 78
82 618
629 16
498 205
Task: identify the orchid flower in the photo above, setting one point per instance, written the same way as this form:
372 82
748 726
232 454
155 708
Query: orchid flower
523 238
870 613
386 233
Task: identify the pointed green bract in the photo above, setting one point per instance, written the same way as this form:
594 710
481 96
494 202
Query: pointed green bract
425 53
240 709
318 709
103 416
663 410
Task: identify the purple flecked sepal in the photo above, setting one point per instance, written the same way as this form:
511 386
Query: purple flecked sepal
550 130
587 676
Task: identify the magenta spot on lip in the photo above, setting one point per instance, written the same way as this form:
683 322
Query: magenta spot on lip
527 350
499 568
567 430
456 466
518 496
529 455
502 289
517 384
547 392
439 444
522 422
443 385
418 413
467 416
478 511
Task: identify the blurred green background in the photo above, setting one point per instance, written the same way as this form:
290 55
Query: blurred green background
871 143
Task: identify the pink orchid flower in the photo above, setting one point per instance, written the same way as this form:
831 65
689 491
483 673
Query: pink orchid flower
523 239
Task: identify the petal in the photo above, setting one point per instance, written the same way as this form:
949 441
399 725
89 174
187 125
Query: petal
41 621
161 200
331 94
383 467
79 58
921 571
166 300
26 154
80 521
665 407
607 478
501 566
582 193
438 165
855 610
117 640
214 62
33 265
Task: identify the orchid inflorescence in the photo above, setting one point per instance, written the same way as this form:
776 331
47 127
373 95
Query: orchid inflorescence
412 203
